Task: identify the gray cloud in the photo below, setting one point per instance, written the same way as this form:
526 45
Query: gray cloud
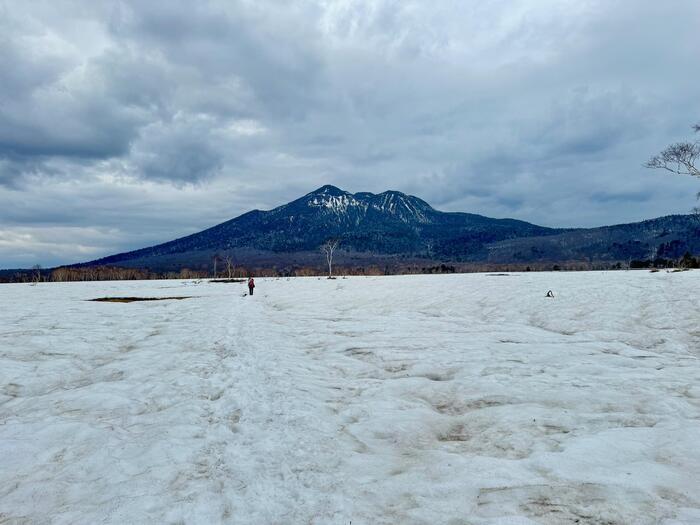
130 123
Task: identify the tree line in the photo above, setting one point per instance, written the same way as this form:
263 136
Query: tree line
115 273
95 273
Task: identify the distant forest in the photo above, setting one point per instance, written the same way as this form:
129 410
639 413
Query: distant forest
116 273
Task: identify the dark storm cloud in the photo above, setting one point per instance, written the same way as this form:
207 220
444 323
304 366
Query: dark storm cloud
127 123
44 112
273 59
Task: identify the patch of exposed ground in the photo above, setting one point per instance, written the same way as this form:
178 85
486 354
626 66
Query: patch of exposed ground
136 299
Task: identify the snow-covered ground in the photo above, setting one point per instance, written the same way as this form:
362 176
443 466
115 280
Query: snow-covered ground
462 399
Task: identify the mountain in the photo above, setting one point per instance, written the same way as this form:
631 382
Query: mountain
374 227
665 237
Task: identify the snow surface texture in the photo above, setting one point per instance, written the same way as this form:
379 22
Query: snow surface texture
462 399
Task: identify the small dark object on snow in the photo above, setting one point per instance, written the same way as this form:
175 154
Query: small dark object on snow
549 294
135 299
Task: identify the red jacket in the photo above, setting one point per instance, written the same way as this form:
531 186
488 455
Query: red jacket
251 283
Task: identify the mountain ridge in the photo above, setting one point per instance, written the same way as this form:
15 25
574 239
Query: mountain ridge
394 224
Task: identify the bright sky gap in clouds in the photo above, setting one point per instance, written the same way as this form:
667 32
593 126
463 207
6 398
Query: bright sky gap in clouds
124 124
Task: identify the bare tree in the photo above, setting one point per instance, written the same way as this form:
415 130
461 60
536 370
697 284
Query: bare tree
682 158
36 274
229 266
328 248
216 260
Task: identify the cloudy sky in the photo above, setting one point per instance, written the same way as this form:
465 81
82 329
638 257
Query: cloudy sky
127 123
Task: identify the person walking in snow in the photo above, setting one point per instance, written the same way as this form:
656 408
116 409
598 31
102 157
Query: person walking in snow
251 285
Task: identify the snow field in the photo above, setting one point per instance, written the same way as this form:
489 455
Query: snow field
461 399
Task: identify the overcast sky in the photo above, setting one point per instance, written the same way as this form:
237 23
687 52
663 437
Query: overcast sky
128 123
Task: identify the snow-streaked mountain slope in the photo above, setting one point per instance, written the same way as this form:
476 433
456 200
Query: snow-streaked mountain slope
385 223
423 399
392 225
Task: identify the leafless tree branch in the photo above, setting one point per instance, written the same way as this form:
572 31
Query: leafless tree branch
680 158
36 274
229 266
328 248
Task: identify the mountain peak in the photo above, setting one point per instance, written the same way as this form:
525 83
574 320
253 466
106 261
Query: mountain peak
329 189
392 223
406 208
